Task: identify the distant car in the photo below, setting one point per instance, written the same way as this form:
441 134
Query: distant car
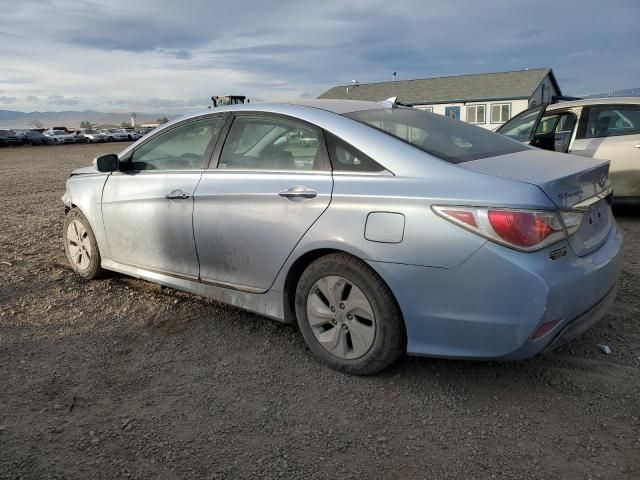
131 134
60 136
9 138
115 134
602 128
396 230
88 135
144 131
33 137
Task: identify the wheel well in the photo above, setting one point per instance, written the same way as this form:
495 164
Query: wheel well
293 276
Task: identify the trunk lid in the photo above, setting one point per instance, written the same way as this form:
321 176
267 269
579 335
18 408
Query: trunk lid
570 182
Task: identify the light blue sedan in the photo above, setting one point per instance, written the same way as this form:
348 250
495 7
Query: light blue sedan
377 229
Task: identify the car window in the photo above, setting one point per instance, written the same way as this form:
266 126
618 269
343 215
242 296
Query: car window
558 122
346 158
612 120
267 143
520 127
442 137
180 148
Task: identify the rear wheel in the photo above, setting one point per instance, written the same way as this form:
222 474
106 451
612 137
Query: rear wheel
80 246
348 316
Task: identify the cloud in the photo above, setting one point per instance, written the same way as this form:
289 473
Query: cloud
61 100
179 54
7 100
173 56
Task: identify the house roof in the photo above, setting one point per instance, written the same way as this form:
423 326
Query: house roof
462 88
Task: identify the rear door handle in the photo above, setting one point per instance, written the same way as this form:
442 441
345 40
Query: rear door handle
177 195
298 192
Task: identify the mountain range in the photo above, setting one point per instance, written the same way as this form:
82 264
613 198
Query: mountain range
14 119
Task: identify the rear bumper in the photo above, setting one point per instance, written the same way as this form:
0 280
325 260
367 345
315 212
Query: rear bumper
575 327
489 307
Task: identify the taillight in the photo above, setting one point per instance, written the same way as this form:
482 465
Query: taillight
523 229
526 230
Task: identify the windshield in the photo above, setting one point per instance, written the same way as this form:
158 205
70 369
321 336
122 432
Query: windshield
448 139
59 132
89 131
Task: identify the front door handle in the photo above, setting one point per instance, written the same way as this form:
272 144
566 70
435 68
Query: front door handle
637 146
298 192
177 195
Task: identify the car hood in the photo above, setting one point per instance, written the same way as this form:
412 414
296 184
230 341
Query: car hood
90 170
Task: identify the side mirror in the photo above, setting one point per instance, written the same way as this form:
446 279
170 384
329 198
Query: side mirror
107 163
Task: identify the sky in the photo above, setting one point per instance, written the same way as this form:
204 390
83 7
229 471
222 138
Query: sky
170 56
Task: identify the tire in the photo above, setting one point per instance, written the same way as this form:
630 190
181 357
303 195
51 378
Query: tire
84 258
88 140
381 337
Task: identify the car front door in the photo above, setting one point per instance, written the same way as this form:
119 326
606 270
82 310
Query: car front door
612 132
523 126
271 183
147 207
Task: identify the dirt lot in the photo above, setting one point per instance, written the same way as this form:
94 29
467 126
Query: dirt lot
119 378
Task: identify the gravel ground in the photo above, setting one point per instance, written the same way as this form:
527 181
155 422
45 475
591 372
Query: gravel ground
120 378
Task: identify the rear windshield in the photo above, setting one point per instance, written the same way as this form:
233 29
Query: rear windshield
451 140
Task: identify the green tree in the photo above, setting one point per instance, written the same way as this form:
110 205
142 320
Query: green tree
163 120
85 124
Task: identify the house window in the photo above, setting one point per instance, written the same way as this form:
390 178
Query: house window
476 114
500 112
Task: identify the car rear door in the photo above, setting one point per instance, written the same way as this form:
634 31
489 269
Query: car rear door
147 207
612 132
263 191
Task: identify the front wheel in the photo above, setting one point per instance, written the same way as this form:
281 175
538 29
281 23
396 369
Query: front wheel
80 246
348 316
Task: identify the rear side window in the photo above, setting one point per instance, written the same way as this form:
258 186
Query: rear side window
442 137
611 121
346 158
271 143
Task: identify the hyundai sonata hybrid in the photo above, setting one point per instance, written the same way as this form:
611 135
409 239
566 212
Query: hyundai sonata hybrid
387 230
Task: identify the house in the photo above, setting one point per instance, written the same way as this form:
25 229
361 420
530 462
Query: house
487 100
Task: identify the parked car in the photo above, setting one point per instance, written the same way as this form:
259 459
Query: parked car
60 136
130 133
602 128
88 135
9 138
115 135
397 230
33 137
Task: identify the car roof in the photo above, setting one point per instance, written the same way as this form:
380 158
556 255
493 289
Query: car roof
596 101
330 105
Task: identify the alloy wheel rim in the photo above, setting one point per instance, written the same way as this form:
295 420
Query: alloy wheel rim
79 245
341 317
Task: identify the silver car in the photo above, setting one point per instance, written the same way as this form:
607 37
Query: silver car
393 230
